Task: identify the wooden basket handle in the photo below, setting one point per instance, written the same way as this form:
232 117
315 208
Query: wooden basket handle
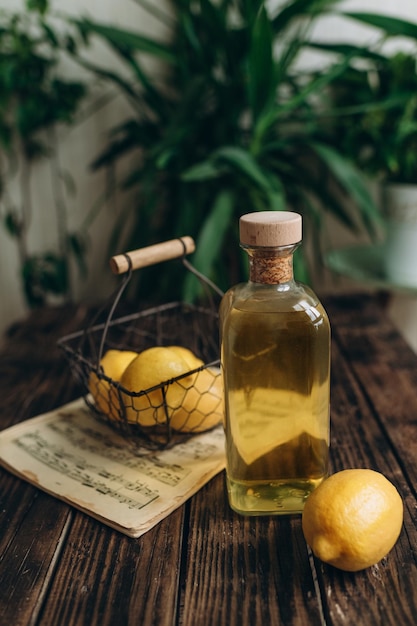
150 255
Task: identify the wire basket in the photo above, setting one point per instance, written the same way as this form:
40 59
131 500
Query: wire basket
185 403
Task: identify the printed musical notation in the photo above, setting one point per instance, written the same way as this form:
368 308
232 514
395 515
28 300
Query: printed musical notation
94 441
75 457
79 469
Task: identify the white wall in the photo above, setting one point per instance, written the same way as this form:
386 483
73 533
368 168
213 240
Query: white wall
401 308
79 145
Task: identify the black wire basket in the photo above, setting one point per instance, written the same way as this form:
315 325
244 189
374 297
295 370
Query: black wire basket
174 346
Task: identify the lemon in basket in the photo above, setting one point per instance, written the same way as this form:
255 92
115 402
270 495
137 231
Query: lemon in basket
148 371
201 406
113 364
189 357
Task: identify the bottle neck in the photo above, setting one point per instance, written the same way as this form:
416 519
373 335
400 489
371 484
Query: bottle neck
271 266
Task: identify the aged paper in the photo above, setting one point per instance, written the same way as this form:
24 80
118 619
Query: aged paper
73 456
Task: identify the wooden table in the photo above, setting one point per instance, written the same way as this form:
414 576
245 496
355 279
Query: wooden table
204 565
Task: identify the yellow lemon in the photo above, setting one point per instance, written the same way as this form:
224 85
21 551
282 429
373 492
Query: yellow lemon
201 405
353 519
149 369
113 364
189 357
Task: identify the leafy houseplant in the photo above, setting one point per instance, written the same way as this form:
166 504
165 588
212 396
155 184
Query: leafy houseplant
229 123
382 141
34 99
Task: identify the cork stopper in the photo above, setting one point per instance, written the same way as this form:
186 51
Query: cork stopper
270 228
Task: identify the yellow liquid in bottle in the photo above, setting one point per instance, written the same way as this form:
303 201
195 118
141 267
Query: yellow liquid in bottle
276 372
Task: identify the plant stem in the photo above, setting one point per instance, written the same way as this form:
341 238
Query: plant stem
26 205
60 204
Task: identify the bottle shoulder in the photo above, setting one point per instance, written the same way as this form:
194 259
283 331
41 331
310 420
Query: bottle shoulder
286 297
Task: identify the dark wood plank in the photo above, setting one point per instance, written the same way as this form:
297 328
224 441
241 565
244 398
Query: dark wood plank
242 571
33 378
30 546
106 579
385 369
376 595
34 375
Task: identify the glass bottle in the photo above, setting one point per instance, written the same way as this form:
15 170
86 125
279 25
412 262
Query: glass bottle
275 359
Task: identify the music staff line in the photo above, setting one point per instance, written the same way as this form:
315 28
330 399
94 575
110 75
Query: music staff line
133 494
95 441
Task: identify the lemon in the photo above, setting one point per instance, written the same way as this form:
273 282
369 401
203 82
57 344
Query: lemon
149 369
353 519
189 357
113 364
201 405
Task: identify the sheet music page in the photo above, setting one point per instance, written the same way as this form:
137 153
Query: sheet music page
75 457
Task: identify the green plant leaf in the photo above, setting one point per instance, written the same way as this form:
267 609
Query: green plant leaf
121 38
44 274
113 77
392 26
209 242
345 50
317 196
124 138
242 161
276 196
37 5
206 170
77 244
161 14
261 82
296 9
207 124
351 181
223 160
373 107
278 113
13 224
50 35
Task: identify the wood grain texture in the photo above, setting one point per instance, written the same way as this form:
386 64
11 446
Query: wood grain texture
29 549
385 370
205 565
151 255
105 578
373 596
242 571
